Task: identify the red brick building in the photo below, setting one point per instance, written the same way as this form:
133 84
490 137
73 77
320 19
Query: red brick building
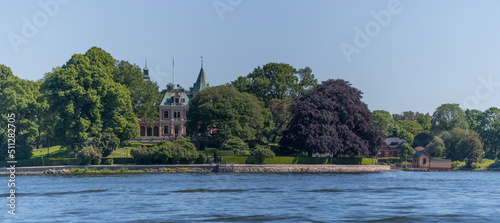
173 109
392 145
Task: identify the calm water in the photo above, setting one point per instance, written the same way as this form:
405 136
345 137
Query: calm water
374 197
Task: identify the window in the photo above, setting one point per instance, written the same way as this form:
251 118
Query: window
165 114
186 114
177 114
165 130
425 161
183 100
177 100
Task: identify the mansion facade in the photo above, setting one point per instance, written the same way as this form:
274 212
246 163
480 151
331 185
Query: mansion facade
173 109
392 145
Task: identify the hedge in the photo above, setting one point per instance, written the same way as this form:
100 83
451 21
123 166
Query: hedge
302 160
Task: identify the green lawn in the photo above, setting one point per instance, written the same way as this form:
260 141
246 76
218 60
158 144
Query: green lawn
121 152
55 152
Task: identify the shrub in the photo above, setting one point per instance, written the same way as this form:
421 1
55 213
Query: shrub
202 159
242 153
261 154
457 164
252 160
142 155
179 151
109 161
107 143
474 165
235 144
89 155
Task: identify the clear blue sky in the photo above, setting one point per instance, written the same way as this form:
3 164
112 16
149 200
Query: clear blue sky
427 54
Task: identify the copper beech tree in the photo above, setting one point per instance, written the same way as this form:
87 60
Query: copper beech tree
332 119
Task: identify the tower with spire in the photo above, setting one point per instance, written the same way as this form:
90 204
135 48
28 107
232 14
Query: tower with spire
174 107
201 83
145 70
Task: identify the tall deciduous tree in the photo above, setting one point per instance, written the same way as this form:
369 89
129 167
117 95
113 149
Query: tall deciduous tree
436 147
144 95
280 109
332 119
275 80
20 98
222 113
384 121
87 99
406 152
489 130
447 117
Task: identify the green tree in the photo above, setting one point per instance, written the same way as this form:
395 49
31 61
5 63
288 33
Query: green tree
403 134
332 119
384 121
20 98
275 80
412 127
406 151
89 156
222 113
461 145
447 117
422 139
144 95
473 119
5 72
471 148
262 153
280 109
106 143
83 94
436 147
235 144
488 127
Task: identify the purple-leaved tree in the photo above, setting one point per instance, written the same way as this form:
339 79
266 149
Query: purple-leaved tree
332 119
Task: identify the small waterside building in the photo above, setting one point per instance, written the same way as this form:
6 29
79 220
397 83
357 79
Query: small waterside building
422 159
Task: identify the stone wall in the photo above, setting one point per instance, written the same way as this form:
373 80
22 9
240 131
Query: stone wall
303 168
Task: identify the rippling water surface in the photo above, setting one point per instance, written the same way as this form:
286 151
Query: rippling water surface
242 197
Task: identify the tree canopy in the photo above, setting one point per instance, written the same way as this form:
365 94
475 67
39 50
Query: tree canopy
332 119
87 99
144 95
384 121
21 98
275 81
447 117
222 113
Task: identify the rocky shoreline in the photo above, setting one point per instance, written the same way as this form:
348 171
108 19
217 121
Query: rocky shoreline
200 169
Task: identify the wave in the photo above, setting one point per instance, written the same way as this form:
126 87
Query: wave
208 191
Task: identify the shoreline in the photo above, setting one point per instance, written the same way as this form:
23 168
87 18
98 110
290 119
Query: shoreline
237 168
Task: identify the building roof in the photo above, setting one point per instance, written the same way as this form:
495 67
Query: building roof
419 153
170 96
394 142
201 82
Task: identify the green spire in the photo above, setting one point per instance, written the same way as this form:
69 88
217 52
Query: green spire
201 82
